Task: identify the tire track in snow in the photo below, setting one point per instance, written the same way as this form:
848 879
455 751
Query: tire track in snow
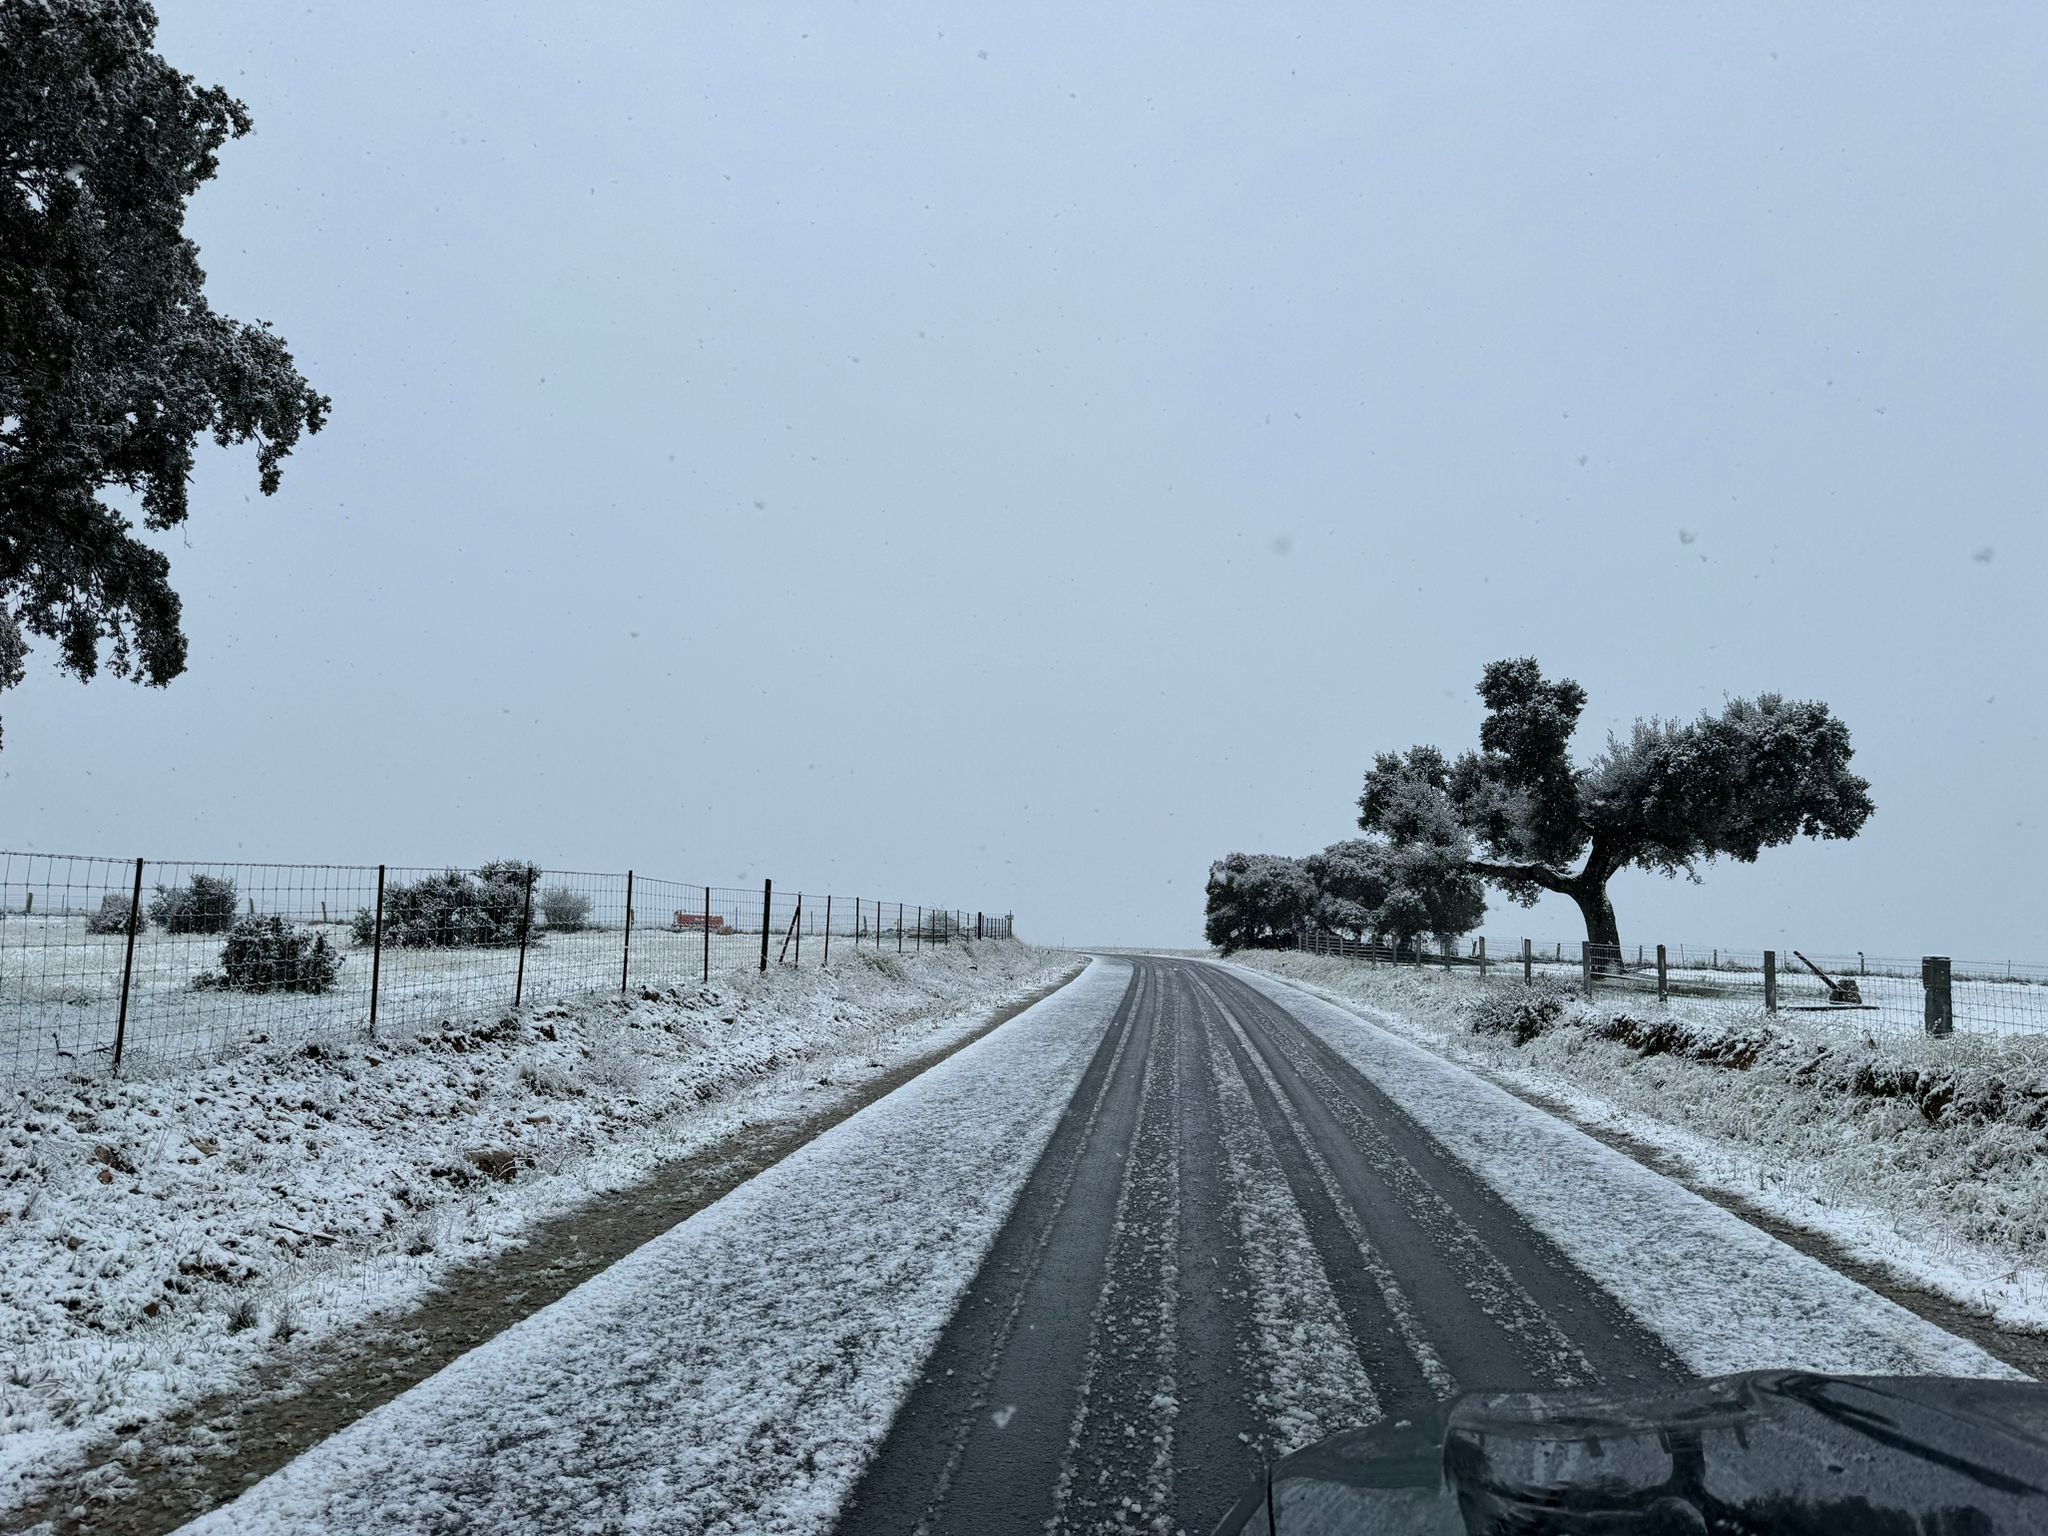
1303 1355
1393 1190
1400 1312
1502 1307
1219 1445
1117 1475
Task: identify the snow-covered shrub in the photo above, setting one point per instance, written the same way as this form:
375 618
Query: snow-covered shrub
1521 1011
549 1082
204 904
613 1069
878 959
112 916
454 909
563 910
268 954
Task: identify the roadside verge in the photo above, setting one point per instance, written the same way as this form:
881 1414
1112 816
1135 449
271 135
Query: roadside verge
316 1230
1723 1294
735 1373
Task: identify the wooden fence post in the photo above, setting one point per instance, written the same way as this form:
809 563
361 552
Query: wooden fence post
1663 977
1941 1009
1528 961
1770 981
1586 966
1482 957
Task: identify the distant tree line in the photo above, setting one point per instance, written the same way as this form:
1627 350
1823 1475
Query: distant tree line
1520 815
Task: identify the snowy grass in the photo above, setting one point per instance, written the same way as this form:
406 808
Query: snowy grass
1926 1158
161 1237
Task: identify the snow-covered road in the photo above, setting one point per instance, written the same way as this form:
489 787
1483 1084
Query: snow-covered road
1087 1273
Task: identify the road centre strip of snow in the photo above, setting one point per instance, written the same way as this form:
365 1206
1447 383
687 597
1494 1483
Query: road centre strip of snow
1724 1295
735 1374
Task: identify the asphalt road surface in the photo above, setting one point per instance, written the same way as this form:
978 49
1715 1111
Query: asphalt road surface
1233 1244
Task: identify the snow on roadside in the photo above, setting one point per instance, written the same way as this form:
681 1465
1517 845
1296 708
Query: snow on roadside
160 1238
734 1374
1722 1294
1956 1205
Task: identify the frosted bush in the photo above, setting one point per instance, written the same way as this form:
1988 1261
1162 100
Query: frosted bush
563 910
1520 1012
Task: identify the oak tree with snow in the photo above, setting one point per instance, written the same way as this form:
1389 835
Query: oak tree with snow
112 364
1256 901
1399 889
1671 797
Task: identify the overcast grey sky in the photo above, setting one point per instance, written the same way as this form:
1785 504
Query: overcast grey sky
1015 455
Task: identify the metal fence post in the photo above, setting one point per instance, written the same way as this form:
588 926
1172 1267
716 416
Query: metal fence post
767 896
899 927
525 928
827 958
707 933
128 966
1935 981
1770 981
1528 962
376 951
796 924
977 927
917 933
1586 966
1663 977
626 954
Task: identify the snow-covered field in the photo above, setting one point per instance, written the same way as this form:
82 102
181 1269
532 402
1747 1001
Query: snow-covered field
1925 1158
735 1374
160 1237
60 988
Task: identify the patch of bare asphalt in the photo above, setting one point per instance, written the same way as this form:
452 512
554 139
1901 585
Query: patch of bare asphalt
208 1453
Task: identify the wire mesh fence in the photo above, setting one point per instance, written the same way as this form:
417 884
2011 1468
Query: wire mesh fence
1932 993
108 964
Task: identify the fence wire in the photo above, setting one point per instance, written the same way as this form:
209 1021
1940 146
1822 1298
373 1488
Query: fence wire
1888 993
126 964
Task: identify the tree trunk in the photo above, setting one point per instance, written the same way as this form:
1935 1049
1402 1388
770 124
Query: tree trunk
1602 931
